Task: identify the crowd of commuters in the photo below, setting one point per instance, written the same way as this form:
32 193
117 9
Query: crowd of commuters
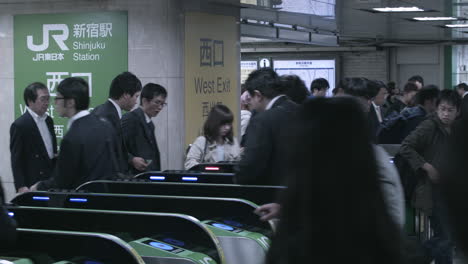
345 200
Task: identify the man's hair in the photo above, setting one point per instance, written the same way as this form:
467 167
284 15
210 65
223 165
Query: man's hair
151 90
75 88
390 87
450 97
416 78
30 92
463 86
319 84
218 116
295 88
124 83
427 93
342 83
410 87
266 81
360 87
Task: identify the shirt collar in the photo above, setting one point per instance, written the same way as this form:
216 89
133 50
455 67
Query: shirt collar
147 118
119 110
77 116
270 104
465 94
36 116
375 106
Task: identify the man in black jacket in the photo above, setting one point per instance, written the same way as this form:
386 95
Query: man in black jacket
33 144
263 159
123 94
138 130
86 151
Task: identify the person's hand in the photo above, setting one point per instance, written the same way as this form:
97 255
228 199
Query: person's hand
432 172
23 189
34 187
139 163
268 211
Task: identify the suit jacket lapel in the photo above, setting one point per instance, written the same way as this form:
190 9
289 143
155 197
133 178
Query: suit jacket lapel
52 133
148 134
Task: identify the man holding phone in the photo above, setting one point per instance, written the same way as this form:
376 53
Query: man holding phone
138 130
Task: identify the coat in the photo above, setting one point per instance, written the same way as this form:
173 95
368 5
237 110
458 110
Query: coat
203 151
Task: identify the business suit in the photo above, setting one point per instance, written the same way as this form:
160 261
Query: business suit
464 107
140 139
109 112
30 161
374 123
86 154
263 162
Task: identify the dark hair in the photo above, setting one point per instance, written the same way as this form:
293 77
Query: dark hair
266 81
342 83
218 116
30 92
390 87
319 84
376 85
151 90
416 78
451 97
360 87
75 88
463 86
295 88
410 87
323 209
124 83
427 93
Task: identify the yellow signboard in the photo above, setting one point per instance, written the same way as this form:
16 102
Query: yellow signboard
211 68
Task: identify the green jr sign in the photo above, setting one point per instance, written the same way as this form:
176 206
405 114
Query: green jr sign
51 47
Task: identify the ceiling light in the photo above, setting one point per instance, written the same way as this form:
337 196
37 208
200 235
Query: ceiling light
434 18
398 9
456 25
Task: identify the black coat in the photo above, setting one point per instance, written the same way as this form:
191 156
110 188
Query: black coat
86 154
109 112
7 225
263 162
140 140
30 161
464 107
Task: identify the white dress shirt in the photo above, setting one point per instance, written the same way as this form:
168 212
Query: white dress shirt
77 116
270 104
119 110
44 130
378 112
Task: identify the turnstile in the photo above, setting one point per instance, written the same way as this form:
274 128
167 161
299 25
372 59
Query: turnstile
187 177
254 193
243 237
51 246
147 233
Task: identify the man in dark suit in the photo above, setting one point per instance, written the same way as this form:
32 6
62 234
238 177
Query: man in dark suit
462 90
138 130
266 144
33 144
123 94
86 151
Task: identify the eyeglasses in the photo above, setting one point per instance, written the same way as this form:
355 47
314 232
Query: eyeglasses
159 103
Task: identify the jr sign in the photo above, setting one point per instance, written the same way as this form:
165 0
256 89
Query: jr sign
52 47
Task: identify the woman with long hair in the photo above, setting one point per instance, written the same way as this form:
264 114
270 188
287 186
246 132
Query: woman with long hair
217 143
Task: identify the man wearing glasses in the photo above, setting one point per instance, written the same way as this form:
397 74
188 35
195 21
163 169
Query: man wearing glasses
33 144
138 130
123 94
86 151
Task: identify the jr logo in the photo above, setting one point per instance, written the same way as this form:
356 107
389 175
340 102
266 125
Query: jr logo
59 38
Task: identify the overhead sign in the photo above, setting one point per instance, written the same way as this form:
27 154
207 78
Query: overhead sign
51 47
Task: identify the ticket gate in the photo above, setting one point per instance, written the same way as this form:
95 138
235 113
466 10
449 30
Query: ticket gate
254 193
157 237
187 177
230 210
220 167
243 237
49 246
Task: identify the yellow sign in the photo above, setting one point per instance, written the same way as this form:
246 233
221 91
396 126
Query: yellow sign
211 68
